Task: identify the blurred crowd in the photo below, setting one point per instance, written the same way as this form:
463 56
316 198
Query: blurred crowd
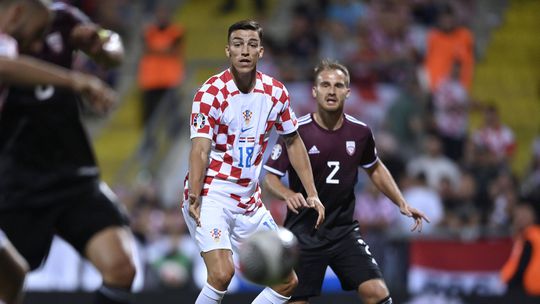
412 65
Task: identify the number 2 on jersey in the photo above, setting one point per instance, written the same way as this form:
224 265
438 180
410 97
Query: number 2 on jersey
246 152
335 167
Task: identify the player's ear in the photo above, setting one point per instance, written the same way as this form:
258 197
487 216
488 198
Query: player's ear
348 93
314 92
227 51
261 52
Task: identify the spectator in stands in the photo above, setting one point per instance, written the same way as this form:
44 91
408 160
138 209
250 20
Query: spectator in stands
434 164
161 69
522 270
496 137
447 44
450 113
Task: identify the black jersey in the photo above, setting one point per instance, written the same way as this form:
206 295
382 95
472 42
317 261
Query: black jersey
335 157
42 140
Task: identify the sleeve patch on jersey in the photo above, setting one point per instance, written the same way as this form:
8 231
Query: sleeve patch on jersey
276 151
199 121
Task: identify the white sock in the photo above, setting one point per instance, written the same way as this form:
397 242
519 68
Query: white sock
210 295
270 296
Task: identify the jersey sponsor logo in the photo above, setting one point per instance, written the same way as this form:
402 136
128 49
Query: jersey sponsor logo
44 92
314 150
276 151
55 43
199 121
350 146
216 234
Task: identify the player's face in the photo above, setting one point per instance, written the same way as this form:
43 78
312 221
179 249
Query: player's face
29 33
244 50
330 90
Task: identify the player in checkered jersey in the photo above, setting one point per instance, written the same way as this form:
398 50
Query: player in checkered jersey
232 116
338 144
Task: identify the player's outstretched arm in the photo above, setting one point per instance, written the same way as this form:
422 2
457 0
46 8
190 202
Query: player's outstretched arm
383 180
25 70
198 162
300 161
102 45
294 200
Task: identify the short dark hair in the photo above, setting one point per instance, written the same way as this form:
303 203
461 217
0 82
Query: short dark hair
251 25
329 64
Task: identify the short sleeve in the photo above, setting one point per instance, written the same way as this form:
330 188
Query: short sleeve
278 162
369 155
286 122
204 112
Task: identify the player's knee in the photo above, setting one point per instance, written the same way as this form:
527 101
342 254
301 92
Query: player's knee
220 278
373 292
119 272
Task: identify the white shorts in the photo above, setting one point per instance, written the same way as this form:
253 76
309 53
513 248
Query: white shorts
223 229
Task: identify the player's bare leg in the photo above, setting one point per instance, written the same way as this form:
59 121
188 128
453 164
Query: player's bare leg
374 291
280 293
13 269
110 251
220 268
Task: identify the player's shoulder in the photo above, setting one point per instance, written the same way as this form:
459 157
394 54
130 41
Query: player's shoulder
215 84
272 86
305 120
8 46
356 123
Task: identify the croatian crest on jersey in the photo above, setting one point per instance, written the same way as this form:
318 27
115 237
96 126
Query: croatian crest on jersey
276 151
350 146
216 234
247 116
199 120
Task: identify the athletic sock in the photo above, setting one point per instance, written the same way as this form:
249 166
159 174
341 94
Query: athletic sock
270 296
386 300
210 295
112 295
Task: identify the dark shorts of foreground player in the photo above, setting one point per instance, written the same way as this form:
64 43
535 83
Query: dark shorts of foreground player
349 258
75 217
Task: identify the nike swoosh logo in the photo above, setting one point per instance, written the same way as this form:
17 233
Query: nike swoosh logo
246 129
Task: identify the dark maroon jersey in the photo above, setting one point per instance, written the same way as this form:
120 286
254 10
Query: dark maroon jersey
43 143
335 157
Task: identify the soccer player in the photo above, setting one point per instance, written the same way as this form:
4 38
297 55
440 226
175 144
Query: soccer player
232 116
21 22
337 145
50 182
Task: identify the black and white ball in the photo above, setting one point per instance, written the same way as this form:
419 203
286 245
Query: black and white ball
267 257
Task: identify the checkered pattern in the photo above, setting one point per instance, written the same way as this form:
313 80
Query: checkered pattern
239 126
8 48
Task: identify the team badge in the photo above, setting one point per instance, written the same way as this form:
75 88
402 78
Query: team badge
276 151
199 120
247 116
350 146
216 234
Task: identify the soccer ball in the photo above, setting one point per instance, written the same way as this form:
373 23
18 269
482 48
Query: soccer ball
267 257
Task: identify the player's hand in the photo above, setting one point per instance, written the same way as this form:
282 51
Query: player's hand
100 96
295 202
195 208
315 203
417 215
86 37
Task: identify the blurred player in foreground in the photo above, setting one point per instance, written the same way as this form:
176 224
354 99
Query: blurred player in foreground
50 179
22 22
337 145
232 116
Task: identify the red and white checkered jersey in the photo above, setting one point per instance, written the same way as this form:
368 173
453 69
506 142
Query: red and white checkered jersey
8 48
239 126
